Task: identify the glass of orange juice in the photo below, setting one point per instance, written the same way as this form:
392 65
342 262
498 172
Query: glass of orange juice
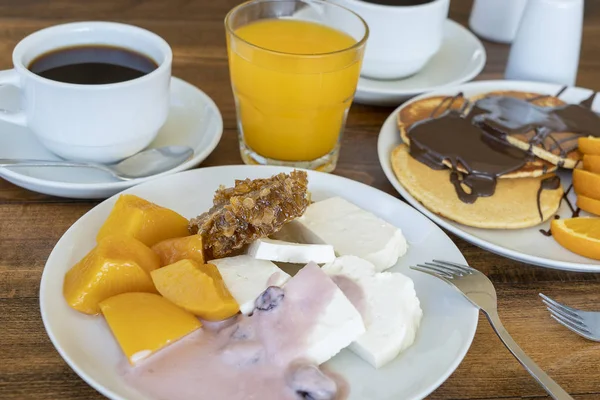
294 67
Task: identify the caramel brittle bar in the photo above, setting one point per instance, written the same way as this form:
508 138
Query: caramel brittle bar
250 210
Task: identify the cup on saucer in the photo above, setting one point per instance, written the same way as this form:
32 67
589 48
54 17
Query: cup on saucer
460 59
404 34
91 91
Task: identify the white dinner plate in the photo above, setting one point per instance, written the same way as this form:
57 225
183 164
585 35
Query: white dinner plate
526 245
460 59
446 331
194 120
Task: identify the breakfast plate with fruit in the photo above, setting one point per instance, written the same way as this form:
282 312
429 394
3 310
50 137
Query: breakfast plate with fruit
255 282
512 167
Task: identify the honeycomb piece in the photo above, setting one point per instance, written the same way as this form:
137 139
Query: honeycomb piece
250 210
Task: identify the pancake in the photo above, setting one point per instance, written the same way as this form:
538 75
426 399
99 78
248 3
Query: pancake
426 108
538 98
434 107
514 204
548 149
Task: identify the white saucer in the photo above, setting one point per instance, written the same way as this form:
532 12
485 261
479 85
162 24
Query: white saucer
194 120
460 59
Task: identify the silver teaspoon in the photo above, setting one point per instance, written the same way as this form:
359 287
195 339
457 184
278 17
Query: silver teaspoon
145 163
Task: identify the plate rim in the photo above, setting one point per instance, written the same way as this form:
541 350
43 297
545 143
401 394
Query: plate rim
198 157
384 161
470 336
449 25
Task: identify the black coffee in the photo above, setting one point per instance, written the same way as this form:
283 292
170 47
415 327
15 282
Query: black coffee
92 65
399 2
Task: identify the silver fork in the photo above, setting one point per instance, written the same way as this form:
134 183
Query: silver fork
584 323
479 290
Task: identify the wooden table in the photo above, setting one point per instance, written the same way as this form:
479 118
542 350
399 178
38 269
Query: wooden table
31 223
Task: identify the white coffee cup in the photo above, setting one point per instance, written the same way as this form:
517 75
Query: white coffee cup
497 20
100 123
402 39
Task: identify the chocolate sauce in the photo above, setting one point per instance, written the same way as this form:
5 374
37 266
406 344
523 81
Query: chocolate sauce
546 233
574 211
453 138
551 128
511 115
560 91
549 231
566 193
551 183
587 103
477 142
450 101
544 96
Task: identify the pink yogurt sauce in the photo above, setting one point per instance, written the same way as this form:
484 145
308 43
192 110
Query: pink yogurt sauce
244 358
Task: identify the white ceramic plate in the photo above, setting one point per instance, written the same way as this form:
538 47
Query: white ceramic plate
460 59
445 335
194 120
526 245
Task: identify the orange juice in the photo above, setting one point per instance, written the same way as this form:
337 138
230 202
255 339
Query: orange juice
293 82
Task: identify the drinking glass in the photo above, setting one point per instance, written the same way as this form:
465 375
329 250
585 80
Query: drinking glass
293 93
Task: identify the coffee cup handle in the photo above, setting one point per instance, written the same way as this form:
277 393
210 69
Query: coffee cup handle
10 77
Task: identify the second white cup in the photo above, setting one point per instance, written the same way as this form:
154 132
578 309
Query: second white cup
91 122
403 38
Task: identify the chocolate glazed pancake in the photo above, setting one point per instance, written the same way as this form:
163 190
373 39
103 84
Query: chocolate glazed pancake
434 107
516 203
543 124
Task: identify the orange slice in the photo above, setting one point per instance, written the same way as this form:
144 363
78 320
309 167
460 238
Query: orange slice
586 183
589 145
118 264
588 204
591 163
579 235
198 288
144 323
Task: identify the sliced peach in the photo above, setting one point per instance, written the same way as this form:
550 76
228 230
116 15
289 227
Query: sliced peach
118 264
198 288
172 250
145 221
144 323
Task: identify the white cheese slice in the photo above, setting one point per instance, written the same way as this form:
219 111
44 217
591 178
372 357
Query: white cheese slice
389 304
337 325
246 278
353 231
287 252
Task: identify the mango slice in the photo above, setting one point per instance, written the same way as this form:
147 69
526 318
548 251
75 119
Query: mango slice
145 221
198 288
172 250
118 264
144 323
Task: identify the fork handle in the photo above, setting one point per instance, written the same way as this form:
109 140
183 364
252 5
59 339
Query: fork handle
553 388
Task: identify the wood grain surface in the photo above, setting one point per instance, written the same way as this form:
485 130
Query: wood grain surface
31 223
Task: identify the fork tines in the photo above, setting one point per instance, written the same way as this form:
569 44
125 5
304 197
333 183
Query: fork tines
570 318
444 269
